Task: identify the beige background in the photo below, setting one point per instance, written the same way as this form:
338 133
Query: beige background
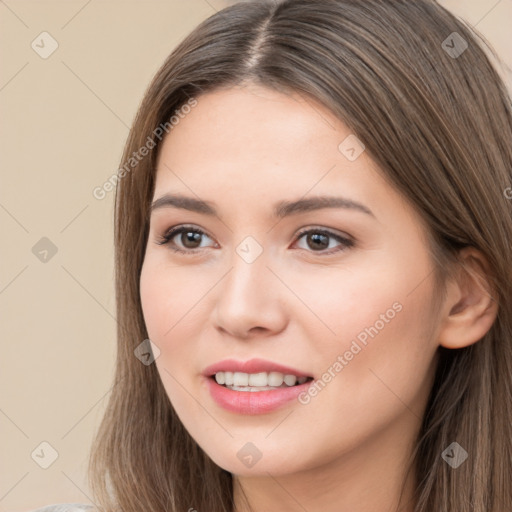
64 123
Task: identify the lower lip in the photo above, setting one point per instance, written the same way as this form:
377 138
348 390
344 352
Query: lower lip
253 402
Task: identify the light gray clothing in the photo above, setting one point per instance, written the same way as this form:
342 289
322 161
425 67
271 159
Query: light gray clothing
65 507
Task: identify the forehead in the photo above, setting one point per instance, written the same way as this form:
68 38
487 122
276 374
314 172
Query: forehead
255 117
251 146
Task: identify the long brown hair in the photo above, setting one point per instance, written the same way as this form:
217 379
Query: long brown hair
436 117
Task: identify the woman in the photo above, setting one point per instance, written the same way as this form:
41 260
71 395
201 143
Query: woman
313 224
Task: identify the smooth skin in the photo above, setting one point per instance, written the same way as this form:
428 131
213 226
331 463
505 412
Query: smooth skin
302 302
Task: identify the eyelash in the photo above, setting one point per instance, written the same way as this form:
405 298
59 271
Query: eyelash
171 233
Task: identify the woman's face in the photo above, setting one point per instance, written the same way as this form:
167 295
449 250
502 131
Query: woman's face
342 294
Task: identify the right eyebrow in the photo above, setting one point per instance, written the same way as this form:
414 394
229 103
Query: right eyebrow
186 203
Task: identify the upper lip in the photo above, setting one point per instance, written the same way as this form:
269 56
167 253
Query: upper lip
251 366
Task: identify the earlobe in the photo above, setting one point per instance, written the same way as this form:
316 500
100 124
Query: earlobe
471 303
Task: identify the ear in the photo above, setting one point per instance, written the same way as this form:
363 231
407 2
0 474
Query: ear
470 306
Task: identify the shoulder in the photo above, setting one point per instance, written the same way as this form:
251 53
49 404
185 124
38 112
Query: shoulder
66 507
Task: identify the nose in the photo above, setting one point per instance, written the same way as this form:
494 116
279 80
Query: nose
250 300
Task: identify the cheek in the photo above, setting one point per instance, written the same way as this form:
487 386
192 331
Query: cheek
378 318
387 353
168 295
175 305
348 299
164 304
155 302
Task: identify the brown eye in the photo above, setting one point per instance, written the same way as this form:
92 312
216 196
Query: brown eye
189 239
319 240
183 239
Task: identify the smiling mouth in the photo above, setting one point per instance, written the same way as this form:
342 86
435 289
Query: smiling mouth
262 381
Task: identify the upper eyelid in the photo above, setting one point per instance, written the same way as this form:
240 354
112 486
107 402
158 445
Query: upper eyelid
174 230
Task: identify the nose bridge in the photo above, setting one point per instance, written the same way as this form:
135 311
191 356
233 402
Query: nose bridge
249 295
245 282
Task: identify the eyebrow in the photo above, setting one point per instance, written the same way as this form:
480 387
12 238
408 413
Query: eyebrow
281 209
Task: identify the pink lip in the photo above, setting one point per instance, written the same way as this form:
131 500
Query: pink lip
251 366
252 402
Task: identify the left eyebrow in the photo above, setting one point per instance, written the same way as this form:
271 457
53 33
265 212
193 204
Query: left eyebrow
281 209
286 208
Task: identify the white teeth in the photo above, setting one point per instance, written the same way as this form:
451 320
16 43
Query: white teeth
275 379
258 380
240 379
290 380
247 388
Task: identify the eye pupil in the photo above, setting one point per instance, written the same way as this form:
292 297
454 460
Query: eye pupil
192 237
318 238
